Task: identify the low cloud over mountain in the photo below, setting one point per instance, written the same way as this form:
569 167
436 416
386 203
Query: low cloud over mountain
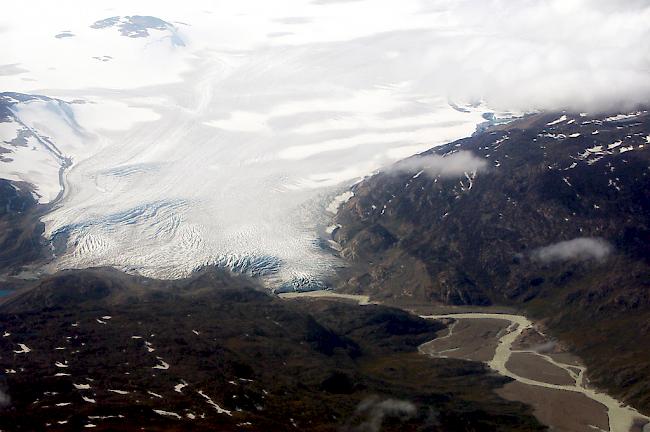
582 248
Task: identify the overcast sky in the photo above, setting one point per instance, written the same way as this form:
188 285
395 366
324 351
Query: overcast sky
524 54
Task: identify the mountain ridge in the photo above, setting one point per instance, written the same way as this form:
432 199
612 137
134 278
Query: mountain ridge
476 238
117 352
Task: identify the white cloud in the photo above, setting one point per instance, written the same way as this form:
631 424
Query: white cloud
528 54
5 399
552 54
450 165
376 410
581 249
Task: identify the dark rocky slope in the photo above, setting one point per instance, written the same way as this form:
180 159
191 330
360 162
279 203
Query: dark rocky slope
214 352
477 236
20 229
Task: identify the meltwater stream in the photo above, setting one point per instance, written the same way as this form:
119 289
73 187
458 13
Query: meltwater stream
621 416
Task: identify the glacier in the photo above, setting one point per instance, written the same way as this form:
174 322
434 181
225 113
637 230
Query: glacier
165 138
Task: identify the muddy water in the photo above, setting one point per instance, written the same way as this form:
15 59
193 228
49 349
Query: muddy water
361 299
621 417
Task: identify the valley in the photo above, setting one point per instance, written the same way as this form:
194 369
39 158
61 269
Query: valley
532 356
571 404
533 360
552 224
325 216
104 350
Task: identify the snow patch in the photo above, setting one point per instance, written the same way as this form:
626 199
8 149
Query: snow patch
168 414
24 349
163 364
330 229
626 149
338 201
623 116
214 405
558 121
